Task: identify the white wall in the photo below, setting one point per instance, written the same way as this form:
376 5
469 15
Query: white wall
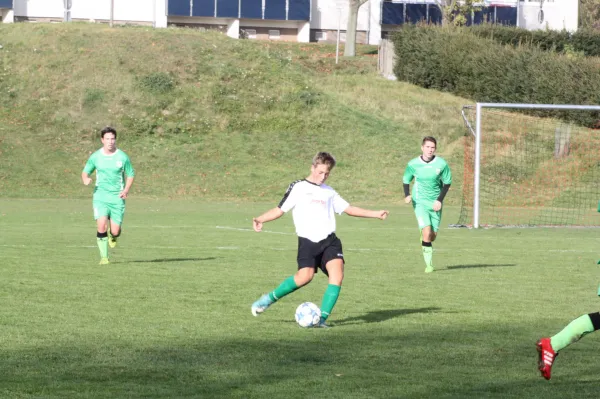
7 15
325 15
139 10
558 15
39 8
124 10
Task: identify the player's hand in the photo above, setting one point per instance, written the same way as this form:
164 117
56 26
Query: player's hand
383 215
437 205
408 199
257 225
87 180
123 194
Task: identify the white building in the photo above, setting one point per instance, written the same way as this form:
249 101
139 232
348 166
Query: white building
293 20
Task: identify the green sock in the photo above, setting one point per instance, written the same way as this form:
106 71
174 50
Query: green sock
428 255
572 333
329 299
103 246
287 287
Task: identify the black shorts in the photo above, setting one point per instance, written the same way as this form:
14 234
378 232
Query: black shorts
317 254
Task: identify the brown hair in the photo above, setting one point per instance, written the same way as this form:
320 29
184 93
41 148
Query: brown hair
108 129
324 158
429 138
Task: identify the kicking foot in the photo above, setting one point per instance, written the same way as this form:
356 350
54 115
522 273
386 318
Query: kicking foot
322 324
261 305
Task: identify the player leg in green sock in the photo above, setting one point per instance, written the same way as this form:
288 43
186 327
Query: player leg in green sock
102 241
575 330
548 348
329 299
335 273
427 248
286 287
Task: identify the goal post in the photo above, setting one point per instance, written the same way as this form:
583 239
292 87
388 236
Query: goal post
524 170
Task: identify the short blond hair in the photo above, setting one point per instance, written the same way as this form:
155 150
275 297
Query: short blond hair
324 158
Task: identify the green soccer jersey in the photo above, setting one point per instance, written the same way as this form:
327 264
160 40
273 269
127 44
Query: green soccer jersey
429 178
111 172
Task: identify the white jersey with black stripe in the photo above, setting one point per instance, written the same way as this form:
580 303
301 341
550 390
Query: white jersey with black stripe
314 207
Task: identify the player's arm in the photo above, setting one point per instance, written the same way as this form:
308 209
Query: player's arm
287 203
89 168
128 184
130 173
86 178
366 213
271 214
409 174
446 183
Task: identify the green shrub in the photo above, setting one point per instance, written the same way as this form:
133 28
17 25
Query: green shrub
584 42
457 61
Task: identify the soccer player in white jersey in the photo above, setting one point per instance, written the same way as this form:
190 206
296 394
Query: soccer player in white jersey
314 204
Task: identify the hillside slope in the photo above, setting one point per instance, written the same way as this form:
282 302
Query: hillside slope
205 116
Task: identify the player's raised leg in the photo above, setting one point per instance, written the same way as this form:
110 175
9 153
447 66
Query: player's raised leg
117 212
548 348
302 277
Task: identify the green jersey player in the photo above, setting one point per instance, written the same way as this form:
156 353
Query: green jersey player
432 178
114 177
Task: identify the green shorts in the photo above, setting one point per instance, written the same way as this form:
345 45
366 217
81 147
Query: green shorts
114 211
426 216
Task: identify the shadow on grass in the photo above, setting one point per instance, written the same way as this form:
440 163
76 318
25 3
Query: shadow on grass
428 363
378 316
164 260
479 265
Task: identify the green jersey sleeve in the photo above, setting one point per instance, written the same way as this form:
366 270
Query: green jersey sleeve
446 175
409 173
90 165
128 168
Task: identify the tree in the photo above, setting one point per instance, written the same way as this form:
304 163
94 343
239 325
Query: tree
353 6
456 12
453 11
589 14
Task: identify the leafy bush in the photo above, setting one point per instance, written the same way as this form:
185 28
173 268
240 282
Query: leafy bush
585 42
457 61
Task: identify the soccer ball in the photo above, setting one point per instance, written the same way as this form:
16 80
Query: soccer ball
308 315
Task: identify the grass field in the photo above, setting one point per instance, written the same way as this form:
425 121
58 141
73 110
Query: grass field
170 316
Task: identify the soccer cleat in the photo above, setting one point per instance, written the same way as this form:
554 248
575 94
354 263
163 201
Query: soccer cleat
112 241
429 269
546 357
104 261
261 305
322 324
